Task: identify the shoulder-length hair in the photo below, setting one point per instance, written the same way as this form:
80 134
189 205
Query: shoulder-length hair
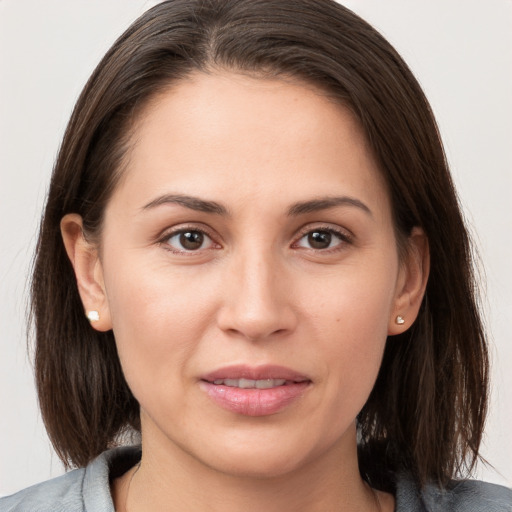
427 409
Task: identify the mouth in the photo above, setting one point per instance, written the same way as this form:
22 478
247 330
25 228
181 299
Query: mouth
255 391
252 384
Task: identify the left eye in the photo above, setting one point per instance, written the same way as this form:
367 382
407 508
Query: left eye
189 240
320 239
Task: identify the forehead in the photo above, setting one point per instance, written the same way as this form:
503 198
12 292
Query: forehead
213 133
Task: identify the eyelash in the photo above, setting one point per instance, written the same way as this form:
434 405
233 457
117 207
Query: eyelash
164 240
343 237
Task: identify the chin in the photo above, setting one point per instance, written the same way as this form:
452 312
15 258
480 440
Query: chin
257 466
256 459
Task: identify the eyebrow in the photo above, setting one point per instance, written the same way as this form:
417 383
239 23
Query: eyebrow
300 208
324 203
193 203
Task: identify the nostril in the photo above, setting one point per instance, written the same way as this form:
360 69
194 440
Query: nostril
255 329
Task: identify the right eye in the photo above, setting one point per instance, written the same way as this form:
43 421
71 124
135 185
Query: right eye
189 240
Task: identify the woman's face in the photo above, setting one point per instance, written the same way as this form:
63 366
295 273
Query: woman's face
250 271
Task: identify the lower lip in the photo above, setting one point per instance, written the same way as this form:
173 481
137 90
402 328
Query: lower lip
255 402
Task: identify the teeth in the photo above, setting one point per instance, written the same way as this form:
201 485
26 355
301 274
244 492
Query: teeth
250 383
269 383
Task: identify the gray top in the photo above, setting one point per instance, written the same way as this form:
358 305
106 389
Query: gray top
88 490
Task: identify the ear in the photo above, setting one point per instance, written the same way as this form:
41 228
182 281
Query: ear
411 283
84 257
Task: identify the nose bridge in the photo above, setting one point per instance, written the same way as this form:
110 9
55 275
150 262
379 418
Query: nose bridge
259 283
256 304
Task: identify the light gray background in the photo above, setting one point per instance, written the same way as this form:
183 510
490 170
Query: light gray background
461 51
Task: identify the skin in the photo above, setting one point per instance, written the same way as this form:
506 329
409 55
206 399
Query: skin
255 292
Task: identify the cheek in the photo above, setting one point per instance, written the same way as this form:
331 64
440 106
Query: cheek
158 321
350 324
354 305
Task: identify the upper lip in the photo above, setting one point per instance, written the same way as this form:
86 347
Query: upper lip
255 373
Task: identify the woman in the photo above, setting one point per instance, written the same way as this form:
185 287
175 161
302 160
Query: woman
252 254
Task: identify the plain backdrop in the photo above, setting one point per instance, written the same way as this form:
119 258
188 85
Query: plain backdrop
461 52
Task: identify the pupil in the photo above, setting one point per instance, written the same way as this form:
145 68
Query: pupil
319 239
191 240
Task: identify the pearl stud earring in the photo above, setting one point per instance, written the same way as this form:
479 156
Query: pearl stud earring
93 316
399 320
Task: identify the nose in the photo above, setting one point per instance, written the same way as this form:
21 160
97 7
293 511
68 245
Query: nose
258 302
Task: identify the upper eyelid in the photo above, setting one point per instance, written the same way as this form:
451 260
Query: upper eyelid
308 228
181 228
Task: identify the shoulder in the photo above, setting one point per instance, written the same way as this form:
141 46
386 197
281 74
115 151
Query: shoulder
63 493
459 496
81 490
471 495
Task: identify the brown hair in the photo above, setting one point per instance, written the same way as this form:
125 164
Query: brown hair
426 412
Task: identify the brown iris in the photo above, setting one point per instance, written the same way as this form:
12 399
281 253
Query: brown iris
319 239
191 240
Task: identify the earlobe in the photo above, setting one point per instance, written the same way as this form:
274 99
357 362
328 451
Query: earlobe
86 263
412 283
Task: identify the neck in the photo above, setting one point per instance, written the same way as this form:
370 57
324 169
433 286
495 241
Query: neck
170 480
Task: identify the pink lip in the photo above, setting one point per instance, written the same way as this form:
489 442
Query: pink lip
255 402
255 373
